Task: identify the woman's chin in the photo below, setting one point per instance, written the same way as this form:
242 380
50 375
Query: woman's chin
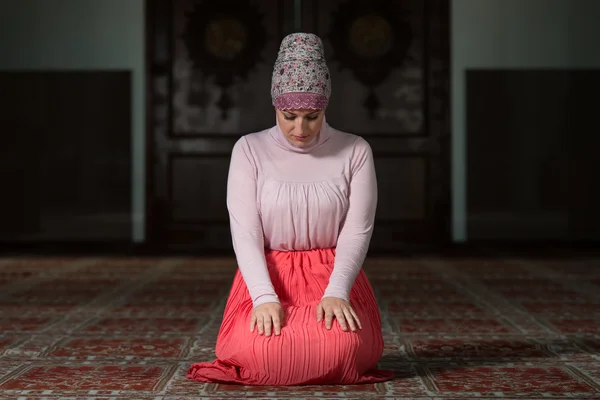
300 141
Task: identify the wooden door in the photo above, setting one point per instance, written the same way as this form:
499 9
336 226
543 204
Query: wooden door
210 67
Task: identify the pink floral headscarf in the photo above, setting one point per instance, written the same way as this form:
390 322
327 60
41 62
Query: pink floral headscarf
300 76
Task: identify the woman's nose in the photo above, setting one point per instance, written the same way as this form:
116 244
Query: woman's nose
300 126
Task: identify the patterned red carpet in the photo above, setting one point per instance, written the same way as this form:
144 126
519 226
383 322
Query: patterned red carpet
454 329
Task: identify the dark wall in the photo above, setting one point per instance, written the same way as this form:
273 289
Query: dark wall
532 141
65 155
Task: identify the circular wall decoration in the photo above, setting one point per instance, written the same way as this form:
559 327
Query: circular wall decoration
370 38
224 39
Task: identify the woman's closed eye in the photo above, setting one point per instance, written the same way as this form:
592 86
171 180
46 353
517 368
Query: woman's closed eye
293 117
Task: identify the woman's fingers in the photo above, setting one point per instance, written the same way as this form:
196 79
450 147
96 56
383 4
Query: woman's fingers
329 314
271 321
342 311
276 325
355 317
350 318
260 324
268 325
341 319
267 319
320 313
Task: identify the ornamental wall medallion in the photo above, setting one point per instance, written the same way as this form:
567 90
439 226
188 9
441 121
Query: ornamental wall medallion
370 38
224 40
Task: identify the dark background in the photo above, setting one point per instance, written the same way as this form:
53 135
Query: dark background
117 130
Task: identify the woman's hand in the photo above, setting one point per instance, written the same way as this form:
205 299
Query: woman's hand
340 309
267 317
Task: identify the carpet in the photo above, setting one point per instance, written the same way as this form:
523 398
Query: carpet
128 328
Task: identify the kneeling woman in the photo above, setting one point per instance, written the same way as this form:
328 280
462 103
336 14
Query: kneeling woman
301 198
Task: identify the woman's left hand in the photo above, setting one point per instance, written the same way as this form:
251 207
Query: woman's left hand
330 307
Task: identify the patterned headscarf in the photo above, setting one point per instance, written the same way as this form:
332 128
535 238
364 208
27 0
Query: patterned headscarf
300 76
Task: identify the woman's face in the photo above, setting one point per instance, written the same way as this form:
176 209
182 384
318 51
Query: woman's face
300 127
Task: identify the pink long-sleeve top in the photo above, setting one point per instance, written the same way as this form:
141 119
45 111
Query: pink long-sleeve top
283 197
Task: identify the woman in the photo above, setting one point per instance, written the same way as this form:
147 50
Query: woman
301 198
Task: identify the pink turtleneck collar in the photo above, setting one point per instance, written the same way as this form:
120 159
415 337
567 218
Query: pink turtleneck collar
323 136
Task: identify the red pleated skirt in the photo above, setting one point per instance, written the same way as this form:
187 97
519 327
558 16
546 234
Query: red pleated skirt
306 352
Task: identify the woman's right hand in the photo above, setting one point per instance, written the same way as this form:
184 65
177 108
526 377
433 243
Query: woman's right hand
267 318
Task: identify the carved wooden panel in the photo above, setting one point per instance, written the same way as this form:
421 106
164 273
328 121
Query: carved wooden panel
400 90
194 76
254 31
